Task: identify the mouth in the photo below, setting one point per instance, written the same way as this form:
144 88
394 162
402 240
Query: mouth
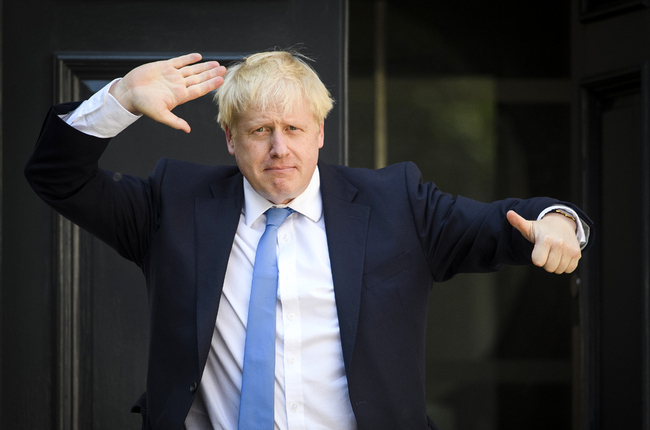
279 169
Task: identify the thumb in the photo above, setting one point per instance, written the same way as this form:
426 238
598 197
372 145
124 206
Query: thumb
524 226
173 121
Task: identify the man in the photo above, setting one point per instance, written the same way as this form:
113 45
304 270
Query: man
355 259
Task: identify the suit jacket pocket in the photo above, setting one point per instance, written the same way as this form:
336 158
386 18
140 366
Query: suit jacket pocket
387 270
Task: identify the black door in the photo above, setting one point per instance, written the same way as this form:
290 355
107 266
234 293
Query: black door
74 314
611 56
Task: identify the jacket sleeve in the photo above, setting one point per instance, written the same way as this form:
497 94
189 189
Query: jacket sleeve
462 235
63 170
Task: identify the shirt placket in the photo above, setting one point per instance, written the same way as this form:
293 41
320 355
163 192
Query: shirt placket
291 321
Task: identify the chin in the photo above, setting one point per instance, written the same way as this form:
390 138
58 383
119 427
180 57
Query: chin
281 198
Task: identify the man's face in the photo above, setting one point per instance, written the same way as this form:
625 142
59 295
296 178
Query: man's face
277 153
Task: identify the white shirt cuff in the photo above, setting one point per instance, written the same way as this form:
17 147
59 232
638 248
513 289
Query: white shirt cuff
101 115
582 229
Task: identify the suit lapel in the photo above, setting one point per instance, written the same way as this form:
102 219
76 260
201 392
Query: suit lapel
346 225
217 218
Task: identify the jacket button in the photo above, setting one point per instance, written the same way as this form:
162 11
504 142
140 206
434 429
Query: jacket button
193 387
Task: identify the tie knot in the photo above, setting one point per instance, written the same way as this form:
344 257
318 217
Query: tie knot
276 216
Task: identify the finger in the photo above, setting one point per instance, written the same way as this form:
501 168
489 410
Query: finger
184 60
562 264
541 253
553 261
204 76
563 257
570 259
572 266
523 226
196 69
196 91
173 121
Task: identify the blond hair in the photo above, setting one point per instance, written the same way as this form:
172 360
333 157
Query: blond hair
276 80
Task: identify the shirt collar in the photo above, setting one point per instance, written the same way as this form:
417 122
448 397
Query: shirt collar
309 203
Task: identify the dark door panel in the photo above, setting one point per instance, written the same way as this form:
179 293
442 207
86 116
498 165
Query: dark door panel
74 314
612 159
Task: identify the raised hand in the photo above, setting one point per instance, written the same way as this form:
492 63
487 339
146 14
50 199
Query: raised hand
154 89
556 248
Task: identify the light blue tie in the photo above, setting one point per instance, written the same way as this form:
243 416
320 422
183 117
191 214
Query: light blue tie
258 381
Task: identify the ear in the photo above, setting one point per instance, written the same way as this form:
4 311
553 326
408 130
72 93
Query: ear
321 135
229 141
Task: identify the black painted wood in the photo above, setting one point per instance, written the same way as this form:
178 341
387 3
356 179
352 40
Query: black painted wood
612 154
74 314
592 10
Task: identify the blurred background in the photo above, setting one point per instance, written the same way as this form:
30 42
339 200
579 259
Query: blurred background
478 94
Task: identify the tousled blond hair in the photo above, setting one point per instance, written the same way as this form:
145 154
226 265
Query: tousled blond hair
275 80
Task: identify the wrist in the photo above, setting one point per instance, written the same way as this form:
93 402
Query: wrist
118 92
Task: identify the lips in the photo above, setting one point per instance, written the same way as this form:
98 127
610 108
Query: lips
279 169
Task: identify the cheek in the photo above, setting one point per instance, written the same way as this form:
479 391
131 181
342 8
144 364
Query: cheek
314 151
248 158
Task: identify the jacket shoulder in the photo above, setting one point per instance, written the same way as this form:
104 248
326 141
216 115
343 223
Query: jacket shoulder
187 174
376 177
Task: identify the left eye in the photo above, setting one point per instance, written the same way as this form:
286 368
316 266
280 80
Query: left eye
291 127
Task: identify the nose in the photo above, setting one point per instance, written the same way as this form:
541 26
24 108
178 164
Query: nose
279 147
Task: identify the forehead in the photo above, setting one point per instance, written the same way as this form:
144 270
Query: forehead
298 111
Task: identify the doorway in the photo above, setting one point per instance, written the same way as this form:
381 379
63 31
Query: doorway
478 94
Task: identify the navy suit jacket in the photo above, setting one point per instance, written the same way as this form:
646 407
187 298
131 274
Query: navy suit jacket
389 235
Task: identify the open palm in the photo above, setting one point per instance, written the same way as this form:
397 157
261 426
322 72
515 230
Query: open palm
154 89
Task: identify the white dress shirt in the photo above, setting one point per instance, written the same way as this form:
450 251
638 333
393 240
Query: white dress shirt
310 384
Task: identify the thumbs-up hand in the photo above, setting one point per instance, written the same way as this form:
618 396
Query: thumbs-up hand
556 249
